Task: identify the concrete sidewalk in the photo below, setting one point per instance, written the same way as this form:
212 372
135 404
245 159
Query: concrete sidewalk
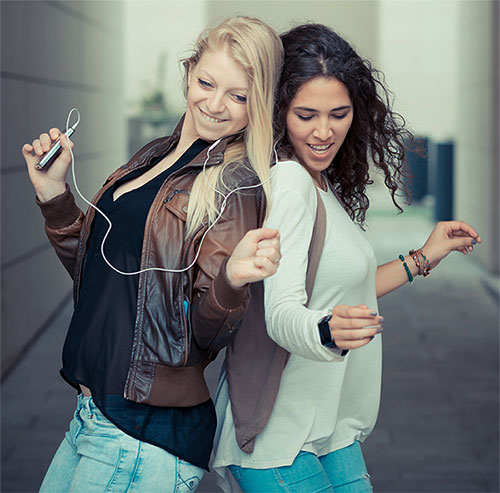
438 424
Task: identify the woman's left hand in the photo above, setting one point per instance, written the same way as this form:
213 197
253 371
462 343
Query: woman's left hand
255 257
448 236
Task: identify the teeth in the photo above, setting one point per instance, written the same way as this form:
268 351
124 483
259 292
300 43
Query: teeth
320 149
209 118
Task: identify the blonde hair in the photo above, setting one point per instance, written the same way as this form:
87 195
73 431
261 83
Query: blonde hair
258 49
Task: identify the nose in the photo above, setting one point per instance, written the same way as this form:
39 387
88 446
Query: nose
215 103
323 130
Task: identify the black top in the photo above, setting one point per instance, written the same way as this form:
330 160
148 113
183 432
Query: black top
98 345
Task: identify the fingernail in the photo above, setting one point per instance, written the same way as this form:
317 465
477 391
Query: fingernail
373 314
474 241
379 330
380 320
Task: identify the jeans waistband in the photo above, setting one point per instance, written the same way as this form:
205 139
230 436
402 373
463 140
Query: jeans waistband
86 402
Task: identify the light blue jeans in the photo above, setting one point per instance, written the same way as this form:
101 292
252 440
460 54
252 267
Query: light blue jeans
342 471
96 457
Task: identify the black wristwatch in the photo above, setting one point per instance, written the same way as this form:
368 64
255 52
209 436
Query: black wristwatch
325 334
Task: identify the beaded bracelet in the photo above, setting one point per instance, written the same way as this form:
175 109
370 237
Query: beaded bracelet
414 256
427 265
407 269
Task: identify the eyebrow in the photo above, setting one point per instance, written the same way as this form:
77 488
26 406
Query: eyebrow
244 89
312 110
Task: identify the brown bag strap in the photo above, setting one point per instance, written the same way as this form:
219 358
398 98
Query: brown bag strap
254 361
316 245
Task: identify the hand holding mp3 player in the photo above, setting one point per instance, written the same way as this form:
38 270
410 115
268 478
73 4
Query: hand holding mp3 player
55 150
48 159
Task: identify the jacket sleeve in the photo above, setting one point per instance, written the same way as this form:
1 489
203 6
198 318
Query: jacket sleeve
63 223
217 307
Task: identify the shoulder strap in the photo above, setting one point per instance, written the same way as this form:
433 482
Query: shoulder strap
254 361
316 245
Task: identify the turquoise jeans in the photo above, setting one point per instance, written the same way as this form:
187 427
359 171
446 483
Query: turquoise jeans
342 471
96 457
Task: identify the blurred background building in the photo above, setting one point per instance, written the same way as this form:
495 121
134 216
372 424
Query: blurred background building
118 63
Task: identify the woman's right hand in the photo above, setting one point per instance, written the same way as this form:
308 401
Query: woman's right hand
354 326
255 257
48 183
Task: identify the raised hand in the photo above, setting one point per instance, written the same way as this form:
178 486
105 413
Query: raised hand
448 236
255 257
50 182
354 326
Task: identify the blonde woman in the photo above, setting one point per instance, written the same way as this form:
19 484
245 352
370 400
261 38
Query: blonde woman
137 344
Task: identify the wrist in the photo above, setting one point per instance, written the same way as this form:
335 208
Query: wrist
232 279
48 193
325 333
421 262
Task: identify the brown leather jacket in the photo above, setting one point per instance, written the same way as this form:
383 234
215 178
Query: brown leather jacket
171 348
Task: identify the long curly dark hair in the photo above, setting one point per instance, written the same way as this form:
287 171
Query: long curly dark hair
377 134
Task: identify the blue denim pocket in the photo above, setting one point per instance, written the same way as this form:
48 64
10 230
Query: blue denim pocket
188 476
236 472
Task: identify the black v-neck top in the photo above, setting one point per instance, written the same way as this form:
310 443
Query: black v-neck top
98 346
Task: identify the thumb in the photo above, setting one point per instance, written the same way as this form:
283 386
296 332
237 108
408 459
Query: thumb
66 144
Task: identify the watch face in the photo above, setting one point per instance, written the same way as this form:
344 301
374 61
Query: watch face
324 331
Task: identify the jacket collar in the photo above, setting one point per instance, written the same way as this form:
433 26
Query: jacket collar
216 154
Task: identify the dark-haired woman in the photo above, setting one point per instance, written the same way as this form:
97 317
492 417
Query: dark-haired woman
334 122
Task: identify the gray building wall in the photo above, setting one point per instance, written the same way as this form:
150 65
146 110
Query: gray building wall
55 55
477 154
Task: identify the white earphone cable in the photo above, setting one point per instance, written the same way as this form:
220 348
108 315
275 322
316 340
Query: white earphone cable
162 269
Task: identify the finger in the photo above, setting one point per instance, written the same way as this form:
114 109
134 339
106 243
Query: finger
27 149
456 226
463 234
463 243
356 335
339 323
271 253
37 148
54 133
354 344
266 267
347 311
274 243
45 142
263 234
27 152
66 142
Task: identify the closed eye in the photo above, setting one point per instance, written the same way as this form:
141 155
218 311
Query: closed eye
204 83
339 117
239 98
304 118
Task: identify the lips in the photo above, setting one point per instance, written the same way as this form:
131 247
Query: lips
209 118
320 150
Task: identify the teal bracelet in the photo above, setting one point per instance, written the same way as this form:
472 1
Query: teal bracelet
407 269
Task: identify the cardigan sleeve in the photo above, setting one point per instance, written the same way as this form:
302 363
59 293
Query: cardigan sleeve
289 323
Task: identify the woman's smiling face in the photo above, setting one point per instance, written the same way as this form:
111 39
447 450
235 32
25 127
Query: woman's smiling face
317 122
217 96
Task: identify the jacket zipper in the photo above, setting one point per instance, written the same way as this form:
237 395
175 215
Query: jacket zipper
187 323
